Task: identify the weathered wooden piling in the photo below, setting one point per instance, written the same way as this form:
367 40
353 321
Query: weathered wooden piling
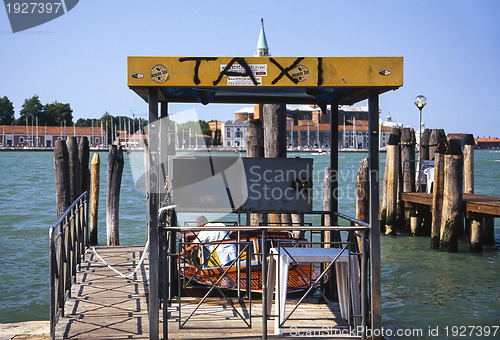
425 144
400 218
435 136
255 149
489 230
362 192
115 171
362 195
383 203
94 200
393 163
274 122
326 201
476 233
469 184
437 194
83 157
469 164
451 218
75 181
62 175
407 169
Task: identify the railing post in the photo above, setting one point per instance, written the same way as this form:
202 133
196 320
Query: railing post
364 278
52 284
264 283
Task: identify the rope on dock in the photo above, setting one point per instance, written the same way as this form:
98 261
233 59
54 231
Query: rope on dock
146 247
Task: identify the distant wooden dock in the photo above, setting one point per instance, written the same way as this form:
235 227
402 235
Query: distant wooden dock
104 305
472 203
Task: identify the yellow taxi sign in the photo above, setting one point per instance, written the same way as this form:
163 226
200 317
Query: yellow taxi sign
265 72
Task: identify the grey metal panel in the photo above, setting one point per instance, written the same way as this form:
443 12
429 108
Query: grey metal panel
234 183
279 184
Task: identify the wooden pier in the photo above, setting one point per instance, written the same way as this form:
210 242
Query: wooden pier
471 203
104 305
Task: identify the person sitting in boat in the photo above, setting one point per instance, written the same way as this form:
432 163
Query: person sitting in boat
216 254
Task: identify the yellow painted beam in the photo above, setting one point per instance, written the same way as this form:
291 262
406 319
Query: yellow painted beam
265 71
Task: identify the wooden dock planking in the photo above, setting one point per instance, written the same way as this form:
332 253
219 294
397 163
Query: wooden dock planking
472 203
106 306
103 304
217 320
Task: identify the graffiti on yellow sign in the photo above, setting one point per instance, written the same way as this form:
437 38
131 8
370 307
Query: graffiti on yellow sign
266 71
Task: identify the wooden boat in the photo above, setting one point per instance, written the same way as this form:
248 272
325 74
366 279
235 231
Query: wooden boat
201 265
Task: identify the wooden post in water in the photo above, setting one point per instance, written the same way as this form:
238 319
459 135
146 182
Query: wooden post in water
476 233
255 149
489 230
274 121
425 144
469 164
83 156
452 219
437 194
469 189
435 136
326 201
362 190
393 162
115 171
62 175
383 203
75 179
94 200
408 167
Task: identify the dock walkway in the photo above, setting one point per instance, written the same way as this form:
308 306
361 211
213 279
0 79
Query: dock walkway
472 203
104 305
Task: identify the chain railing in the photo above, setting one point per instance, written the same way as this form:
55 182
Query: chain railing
68 242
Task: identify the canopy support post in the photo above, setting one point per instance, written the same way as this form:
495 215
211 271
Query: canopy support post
152 195
373 164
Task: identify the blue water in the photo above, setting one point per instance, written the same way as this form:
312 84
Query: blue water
421 288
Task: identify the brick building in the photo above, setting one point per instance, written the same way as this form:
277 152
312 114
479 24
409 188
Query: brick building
19 136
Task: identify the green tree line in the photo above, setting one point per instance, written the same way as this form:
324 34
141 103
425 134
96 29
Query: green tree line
49 114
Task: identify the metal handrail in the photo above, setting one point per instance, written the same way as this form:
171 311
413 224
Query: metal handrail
68 240
361 230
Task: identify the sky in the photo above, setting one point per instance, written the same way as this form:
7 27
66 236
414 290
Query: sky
451 51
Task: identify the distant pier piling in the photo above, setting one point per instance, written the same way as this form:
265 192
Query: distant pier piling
408 167
435 136
454 203
469 164
393 162
115 171
437 194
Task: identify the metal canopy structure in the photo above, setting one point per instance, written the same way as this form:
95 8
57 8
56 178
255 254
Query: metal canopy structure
323 81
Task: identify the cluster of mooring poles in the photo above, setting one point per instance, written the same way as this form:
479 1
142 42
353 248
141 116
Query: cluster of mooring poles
73 177
449 174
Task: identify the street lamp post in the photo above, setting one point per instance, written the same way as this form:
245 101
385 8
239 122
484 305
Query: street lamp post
420 102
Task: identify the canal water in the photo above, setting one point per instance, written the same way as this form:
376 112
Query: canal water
422 289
